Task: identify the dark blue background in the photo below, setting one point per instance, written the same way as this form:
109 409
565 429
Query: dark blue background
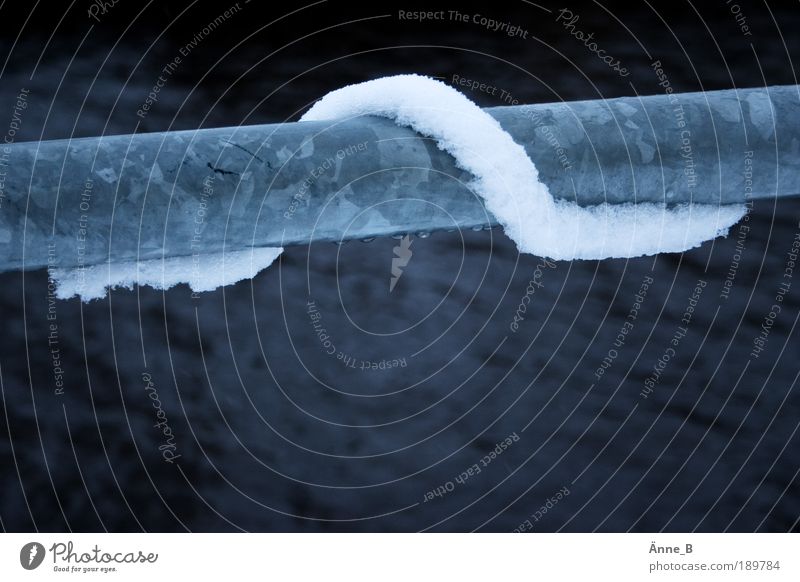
274 434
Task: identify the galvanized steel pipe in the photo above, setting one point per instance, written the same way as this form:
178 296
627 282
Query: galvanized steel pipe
131 197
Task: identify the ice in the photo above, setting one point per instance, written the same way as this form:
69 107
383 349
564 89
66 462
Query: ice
508 181
503 174
203 272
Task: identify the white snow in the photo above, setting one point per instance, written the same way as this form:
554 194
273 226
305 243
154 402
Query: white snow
203 272
504 176
509 183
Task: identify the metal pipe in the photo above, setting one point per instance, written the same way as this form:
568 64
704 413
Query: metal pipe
85 201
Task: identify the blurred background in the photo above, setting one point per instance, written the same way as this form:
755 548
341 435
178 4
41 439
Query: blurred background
448 420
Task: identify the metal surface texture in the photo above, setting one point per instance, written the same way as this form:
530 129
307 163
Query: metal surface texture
79 202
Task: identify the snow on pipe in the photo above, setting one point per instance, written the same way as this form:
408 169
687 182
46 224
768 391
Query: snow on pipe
116 199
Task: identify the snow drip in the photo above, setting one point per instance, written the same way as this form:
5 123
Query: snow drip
504 176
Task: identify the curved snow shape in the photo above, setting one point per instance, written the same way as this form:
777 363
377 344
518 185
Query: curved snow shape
507 180
505 177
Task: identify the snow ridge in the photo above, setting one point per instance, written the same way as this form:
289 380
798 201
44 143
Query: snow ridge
504 176
509 183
